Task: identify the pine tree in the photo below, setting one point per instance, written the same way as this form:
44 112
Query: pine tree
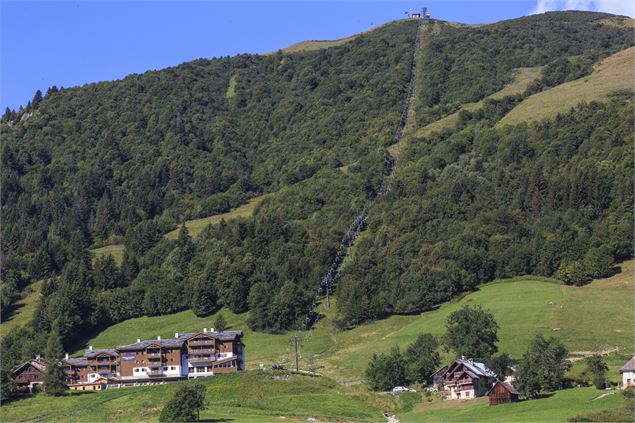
204 299
54 377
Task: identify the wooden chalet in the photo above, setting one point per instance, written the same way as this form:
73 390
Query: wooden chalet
29 375
464 379
502 393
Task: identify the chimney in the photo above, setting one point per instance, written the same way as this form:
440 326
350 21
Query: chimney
204 330
90 347
66 356
138 340
38 357
211 329
176 334
159 338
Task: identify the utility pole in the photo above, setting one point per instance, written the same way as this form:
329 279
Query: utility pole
296 340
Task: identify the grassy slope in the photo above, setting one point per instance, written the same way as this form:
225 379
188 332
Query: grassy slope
557 408
197 225
115 250
523 77
194 226
591 317
25 308
612 74
244 397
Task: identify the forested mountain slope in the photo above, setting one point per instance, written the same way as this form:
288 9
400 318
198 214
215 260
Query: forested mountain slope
473 202
129 160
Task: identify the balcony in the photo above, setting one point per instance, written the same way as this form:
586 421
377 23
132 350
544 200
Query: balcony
194 351
202 359
206 343
154 373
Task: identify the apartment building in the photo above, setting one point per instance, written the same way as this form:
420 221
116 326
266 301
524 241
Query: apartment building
187 355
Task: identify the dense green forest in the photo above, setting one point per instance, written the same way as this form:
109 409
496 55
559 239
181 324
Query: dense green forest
129 160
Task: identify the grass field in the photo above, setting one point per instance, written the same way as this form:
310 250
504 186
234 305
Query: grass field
241 397
556 408
194 226
592 317
197 225
115 250
615 73
24 310
523 77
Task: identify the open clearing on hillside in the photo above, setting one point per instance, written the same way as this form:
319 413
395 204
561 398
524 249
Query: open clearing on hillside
196 226
556 408
24 309
115 250
591 317
244 397
522 78
615 73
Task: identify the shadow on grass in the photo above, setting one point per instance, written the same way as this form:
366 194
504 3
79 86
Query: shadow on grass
216 420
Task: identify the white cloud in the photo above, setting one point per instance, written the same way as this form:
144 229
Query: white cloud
618 7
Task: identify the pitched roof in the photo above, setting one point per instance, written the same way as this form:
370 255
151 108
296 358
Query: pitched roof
228 335
479 369
507 386
94 353
38 364
629 366
76 361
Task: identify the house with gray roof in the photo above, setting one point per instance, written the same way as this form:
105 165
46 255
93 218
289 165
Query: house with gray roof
464 379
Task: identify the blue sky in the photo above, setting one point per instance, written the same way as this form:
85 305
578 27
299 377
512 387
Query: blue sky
72 43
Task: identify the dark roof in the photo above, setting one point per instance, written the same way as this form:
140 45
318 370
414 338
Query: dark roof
38 364
76 361
629 366
228 335
507 386
93 353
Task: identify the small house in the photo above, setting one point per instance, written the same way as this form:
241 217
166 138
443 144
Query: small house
628 373
464 379
28 375
502 393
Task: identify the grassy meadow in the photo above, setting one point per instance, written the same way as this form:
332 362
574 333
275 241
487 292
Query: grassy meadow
242 397
592 317
195 226
613 74
523 77
24 309
556 408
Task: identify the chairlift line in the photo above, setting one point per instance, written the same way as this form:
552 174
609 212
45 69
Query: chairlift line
361 220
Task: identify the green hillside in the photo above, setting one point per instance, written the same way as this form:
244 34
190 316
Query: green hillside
612 75
523 307
247 397
556 408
